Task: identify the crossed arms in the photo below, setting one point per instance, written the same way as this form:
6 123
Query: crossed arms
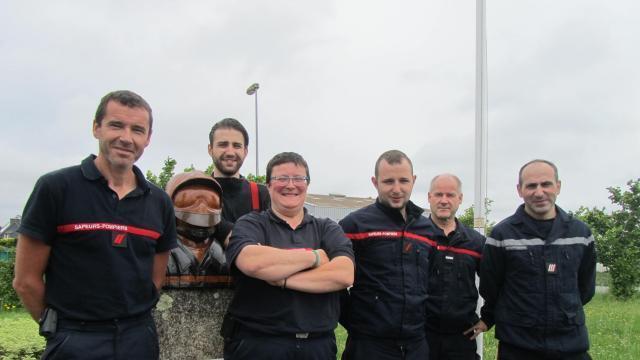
296 267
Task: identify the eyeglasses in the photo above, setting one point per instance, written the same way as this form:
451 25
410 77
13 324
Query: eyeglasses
284 180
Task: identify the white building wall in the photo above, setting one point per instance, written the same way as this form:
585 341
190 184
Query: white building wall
334 213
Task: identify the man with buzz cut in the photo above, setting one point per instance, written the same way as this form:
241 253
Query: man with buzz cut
453 296
385 311
100 234
228 147
538 271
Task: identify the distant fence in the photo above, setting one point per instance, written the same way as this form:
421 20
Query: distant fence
7 249
6 254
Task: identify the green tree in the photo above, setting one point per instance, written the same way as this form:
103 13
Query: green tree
167 173
8 242
467 216
262 179
617 237
8 297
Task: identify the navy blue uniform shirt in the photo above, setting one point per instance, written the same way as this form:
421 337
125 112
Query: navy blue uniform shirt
102 248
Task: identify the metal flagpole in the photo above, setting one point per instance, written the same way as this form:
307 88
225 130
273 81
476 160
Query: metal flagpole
479 210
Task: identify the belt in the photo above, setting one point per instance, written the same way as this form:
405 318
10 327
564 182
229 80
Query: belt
246 332
103 325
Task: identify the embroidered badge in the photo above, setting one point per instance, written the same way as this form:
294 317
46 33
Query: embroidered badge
119 239
552 268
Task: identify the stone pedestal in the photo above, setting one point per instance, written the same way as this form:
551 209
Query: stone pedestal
188 322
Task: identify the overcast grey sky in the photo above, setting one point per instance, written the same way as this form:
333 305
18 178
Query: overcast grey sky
340 82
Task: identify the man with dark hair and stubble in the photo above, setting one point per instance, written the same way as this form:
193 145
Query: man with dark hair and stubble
289 269
453 296
385 311
100 235
228 147
538 271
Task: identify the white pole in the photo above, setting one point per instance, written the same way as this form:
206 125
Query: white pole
479 221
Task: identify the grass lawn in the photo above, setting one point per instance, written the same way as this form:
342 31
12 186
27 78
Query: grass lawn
19 337
614 331
614 328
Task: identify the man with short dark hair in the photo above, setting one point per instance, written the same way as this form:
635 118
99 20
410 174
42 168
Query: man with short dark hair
537 273
228 147
385 311
100 234
289 268
453 296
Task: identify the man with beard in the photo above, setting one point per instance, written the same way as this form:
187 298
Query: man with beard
453 296
100 234
385 311
228 147
538 271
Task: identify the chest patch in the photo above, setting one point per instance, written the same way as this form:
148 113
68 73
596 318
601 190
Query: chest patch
449 258
407 247
119 239
552 268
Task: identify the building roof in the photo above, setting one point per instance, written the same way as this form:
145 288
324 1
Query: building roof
338 201
10 230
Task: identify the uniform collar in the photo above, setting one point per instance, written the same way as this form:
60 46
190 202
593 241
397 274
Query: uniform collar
274 217
560 222
90 172
522 215
230 184
435 226
438 232
413 211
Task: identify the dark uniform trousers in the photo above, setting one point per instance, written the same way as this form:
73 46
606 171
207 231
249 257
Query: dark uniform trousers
455 346
253 346
104 340
385 349
510 352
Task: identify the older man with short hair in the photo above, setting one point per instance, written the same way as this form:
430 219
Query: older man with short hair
537 273
453 296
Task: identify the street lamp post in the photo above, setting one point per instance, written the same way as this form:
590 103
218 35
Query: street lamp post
253 90
480 200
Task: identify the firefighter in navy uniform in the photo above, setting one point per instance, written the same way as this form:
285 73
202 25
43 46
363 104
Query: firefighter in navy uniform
385 311
538 271
101 235
453 296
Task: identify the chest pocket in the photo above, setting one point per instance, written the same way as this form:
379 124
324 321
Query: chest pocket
379 261
525 267
465 272
569 263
